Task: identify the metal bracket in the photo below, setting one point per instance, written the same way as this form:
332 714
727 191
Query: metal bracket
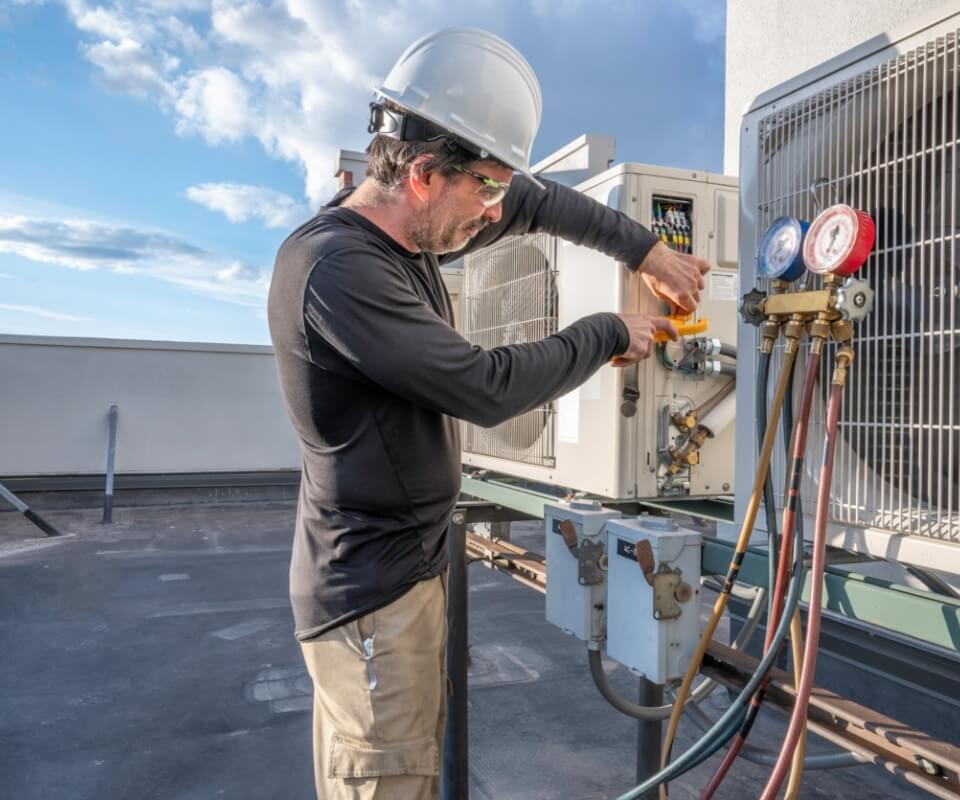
668 586
666 583
589 558
588 554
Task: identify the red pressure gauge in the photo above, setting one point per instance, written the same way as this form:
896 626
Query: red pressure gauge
839 241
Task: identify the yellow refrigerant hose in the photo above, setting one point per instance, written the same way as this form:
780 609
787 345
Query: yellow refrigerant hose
796 652
769 439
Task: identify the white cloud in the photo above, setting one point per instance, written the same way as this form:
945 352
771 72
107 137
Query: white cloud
129 67
87 245
44 312
216 104
295 75
238 271
240 203
103 22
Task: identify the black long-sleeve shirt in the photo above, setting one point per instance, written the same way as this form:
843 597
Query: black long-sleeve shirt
375 377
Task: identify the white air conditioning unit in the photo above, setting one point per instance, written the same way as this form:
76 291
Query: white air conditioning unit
880 124
612 436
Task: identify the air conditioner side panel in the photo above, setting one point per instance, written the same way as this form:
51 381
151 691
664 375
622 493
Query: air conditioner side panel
717 243
592 434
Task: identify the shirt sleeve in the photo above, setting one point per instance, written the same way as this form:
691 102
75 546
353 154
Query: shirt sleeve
361 305
569 214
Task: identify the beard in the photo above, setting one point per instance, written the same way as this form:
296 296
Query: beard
436 229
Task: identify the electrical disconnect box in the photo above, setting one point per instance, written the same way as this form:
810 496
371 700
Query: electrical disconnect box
653 596
576 552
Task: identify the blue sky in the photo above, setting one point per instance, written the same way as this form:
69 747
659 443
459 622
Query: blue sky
155 153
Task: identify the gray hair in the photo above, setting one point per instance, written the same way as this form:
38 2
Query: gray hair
389 160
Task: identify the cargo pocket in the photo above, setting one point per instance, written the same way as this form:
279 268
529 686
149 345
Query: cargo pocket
352 758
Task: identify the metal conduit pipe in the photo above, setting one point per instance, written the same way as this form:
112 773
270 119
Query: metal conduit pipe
699 693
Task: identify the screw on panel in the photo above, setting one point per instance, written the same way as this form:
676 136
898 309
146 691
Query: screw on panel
928 766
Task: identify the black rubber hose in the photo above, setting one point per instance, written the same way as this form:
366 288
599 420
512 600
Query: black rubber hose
728 350
788 440
728 369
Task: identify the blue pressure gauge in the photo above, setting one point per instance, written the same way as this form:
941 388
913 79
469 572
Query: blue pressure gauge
780 254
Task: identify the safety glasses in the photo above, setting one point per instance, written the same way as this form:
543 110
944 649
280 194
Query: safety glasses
491 192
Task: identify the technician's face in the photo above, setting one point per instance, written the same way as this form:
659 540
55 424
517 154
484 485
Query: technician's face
458 211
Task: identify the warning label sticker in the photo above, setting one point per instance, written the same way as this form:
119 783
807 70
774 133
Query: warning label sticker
724 286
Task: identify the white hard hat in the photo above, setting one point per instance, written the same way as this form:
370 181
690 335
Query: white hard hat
474 86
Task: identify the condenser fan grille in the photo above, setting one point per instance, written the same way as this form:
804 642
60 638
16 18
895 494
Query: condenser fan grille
886 140
509 296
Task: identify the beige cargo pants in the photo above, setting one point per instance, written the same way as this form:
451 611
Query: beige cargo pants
379 686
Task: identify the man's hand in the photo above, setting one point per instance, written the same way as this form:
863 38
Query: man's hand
642 329
674 277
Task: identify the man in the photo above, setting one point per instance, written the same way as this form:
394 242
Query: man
375 379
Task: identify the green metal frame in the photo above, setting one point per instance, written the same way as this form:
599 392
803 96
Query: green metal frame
927 618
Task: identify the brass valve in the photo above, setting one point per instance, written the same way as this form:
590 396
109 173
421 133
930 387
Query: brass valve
688 455
684 422
843 362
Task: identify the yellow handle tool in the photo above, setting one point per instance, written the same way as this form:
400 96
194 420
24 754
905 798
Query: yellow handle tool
685 325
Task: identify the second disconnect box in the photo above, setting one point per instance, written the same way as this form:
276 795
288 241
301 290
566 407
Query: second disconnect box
653 596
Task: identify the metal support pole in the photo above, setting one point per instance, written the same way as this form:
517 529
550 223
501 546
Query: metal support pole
454 781
24 509
649 736
111 454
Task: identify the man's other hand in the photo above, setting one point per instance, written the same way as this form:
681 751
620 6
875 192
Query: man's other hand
642 330
674 277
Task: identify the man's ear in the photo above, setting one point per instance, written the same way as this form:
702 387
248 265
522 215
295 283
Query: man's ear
421 179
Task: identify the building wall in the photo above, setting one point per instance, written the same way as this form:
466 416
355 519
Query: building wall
771 41
182 407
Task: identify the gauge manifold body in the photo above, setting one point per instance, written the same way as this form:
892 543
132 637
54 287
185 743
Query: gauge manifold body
839 241
780 254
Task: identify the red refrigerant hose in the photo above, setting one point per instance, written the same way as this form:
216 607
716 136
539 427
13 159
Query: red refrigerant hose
799 441
799 714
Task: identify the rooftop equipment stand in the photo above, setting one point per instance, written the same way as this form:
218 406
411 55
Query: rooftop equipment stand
24 509
649 735
454 780
111 455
